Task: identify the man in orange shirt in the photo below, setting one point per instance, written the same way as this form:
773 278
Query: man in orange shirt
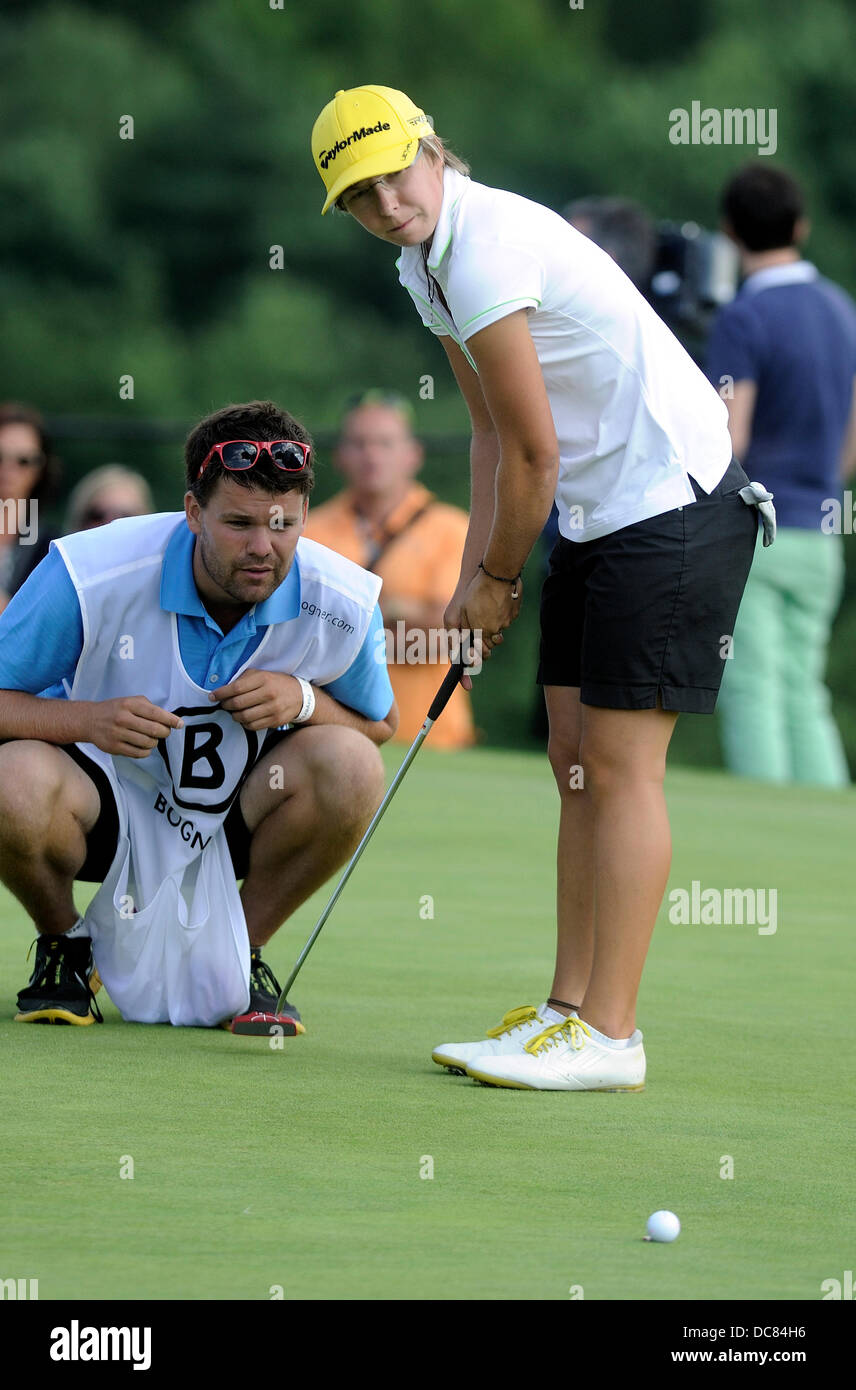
389 523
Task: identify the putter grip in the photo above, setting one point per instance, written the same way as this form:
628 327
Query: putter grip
441 699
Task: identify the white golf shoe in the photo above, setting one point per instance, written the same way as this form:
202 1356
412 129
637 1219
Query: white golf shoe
566 1057
508 1038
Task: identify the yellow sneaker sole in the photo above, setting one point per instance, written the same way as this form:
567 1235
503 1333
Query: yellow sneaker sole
497 1081
63 1015
55 1016
460 1068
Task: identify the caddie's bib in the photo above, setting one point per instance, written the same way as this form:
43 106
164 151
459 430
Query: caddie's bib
167 925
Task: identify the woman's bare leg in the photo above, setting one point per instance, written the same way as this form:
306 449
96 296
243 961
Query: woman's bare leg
614 851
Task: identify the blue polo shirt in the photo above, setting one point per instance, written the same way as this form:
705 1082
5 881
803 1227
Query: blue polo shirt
793 334
41 633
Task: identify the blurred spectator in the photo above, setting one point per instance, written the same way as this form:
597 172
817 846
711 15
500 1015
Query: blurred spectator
106 494
391 524
623 229
783 355
29 472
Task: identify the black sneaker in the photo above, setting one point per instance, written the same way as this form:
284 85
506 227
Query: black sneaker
265 988
63 984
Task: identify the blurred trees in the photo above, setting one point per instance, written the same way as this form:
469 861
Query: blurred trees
151 256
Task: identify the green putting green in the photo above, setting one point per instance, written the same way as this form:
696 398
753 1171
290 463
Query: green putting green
300 1170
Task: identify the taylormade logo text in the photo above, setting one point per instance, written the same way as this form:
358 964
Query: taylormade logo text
327 155
76 1343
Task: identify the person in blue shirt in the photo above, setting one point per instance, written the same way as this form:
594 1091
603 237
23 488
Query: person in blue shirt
231 568
783 355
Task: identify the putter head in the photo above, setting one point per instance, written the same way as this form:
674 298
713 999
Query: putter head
262 1025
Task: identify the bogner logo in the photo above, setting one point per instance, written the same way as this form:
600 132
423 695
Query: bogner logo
327 155
209 759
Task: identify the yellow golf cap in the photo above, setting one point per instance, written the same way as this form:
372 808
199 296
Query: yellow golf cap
363 133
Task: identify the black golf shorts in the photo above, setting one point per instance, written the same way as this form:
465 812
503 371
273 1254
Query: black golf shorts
647 611
103 838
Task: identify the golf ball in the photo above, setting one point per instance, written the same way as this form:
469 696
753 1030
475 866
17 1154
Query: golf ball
663 1225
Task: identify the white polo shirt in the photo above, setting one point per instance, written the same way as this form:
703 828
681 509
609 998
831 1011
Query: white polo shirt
634 415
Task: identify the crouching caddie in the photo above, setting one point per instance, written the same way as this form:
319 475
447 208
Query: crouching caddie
186 700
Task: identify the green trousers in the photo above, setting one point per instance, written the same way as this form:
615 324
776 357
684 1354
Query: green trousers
775 717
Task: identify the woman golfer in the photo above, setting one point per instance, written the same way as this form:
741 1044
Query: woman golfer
577 391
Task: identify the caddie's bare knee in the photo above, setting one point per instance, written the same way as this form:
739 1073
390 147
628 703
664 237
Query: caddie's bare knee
34 791
348 773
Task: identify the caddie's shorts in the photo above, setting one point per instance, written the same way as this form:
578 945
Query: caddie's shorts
648 611
103 838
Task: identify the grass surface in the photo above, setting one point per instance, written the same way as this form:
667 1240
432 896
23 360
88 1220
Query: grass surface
301 1167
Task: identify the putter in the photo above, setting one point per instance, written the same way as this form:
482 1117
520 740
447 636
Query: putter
286 1021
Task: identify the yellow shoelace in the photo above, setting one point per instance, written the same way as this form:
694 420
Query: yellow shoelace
513 1019
570 1031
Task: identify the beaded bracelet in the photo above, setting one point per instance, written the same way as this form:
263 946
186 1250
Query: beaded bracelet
502 579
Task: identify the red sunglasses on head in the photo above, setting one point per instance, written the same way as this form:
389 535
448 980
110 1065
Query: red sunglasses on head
239 454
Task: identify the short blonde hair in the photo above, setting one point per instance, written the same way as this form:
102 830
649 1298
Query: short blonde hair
436 151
